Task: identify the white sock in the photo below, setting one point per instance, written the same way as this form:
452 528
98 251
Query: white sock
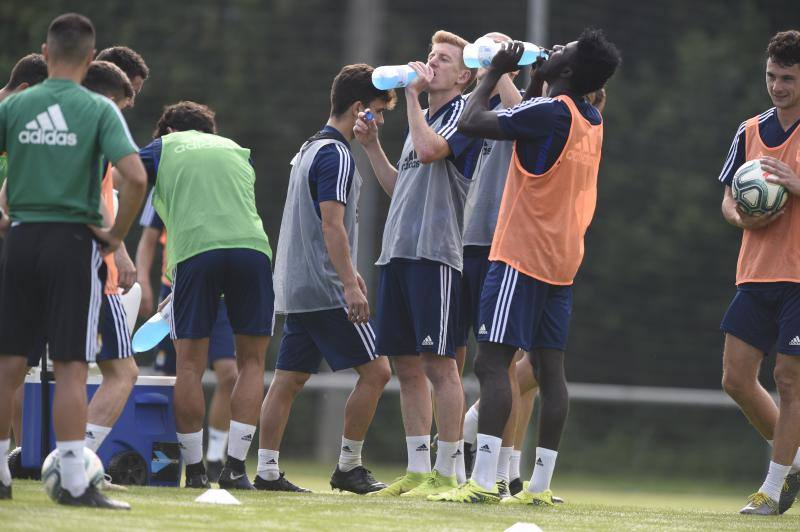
350 454
461 468
796 463
217 440
191 444
513 464
241 436
774 482
543 470
95 436
484 472
471 425
419 453
73 471
446 453
5 473
268 464
503 463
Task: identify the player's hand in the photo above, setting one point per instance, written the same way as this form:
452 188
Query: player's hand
147 304
782 174
164 303
357 304
422 81
365 131
125 269
507 58
361 284
106 239
749 222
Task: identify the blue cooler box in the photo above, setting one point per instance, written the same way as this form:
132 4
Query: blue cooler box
142 447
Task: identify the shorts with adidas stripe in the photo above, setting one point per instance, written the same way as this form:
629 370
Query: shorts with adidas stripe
115 337
51 286
476 265
417 308
308 337
523 312
766 316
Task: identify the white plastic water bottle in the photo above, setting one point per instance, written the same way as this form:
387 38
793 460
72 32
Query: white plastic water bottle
480 53
392 76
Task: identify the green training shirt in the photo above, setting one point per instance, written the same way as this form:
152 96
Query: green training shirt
56 134
204 192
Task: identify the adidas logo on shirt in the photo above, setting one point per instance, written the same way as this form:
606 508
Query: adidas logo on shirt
422 447
48 128
483 330
485 449
795 341
427 341
584 153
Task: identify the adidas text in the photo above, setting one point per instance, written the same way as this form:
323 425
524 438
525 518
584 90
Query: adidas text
48 128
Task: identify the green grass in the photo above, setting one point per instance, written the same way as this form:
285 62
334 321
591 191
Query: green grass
592 504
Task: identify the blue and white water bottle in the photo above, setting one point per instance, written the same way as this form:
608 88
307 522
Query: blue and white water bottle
480 53
392 76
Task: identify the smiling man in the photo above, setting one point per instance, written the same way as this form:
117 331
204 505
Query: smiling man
764 313
537 248
422 259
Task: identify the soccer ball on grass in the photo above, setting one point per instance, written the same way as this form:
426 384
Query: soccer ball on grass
51 471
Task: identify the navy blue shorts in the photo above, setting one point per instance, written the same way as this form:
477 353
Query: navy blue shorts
417 308
476 265
115 337
220 346
243 276
308 337
523 312
766 316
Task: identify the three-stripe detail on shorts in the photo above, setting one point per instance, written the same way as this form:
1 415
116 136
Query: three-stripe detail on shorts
95 300
503 305
367 335
120 326
445 288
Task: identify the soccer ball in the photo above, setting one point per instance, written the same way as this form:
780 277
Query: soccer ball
51 472
753 193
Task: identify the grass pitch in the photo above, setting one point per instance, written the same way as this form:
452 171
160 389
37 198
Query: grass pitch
592 504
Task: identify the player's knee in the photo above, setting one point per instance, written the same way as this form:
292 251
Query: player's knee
737 383
377 373
291 382
488 367
787 381
226 375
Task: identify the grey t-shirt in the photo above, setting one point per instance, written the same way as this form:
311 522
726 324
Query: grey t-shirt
486 192
426 215
304 277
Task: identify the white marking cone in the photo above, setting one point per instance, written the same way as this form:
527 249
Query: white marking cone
523 527
215 496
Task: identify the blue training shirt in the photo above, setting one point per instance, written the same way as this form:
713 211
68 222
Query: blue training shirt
772 134
541 127
331 172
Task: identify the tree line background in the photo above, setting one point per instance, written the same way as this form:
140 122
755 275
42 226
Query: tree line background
660 262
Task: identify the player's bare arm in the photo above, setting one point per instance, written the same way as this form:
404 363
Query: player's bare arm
338 247
429 145
145 252
366 132
734 215
478 120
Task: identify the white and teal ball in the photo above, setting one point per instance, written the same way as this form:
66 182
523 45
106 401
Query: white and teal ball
51 471
754 194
